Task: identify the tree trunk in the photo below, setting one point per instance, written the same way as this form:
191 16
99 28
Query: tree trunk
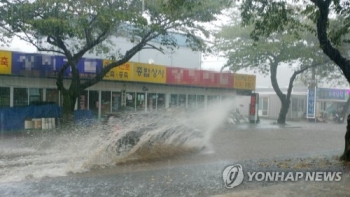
283 111
71 94
334 54
283 98
345 109
346 154
68 108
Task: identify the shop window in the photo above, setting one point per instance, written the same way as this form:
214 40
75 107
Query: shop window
152 101
4 97
83 100
160 101
93 101
116 101
35 95
192 101
212 99
263 106
140 101
298 105
52 95
130 100
182 100
200 101
20 97
105 102
173 100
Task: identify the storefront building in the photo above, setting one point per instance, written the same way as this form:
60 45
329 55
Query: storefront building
328 101
270 104
27 78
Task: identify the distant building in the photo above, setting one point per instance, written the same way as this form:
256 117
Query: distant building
328 100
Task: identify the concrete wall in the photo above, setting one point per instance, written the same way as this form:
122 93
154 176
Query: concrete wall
242 103
274 106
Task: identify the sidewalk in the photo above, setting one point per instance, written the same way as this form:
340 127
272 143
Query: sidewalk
319 189
299 188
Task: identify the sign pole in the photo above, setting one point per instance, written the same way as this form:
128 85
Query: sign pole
315 105
311 103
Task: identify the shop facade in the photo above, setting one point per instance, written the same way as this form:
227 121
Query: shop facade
28 78
327 102
270 104
330 101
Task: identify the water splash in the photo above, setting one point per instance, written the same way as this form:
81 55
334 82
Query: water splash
149 136
130 138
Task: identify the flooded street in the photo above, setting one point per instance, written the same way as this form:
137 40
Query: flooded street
157 98
25 171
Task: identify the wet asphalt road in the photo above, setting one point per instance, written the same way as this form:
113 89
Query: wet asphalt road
201 174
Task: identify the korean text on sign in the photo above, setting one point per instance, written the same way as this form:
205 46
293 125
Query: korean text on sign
311 101
244 82
331 94
5 62
149 73
122 72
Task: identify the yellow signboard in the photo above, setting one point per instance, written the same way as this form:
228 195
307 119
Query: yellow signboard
149 73
244 82
5 62
120 73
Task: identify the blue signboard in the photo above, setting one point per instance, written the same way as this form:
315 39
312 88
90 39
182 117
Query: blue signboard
31 65
40 65
311 103
331 94
88 68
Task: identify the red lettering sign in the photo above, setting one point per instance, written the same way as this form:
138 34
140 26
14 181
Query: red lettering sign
252 104
252 109
202 78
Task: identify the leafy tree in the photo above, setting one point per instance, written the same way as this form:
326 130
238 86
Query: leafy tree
76 27
266 55
272 16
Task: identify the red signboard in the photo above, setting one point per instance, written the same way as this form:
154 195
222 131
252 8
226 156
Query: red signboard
192 77
224 80
252 104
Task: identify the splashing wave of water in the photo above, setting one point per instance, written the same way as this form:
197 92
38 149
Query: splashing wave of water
130 138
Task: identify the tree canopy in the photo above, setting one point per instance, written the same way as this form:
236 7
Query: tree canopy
234 43
267 54
75 27
268 17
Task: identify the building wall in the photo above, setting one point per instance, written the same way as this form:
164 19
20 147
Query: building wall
274 106
297 107
182 56
242 104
